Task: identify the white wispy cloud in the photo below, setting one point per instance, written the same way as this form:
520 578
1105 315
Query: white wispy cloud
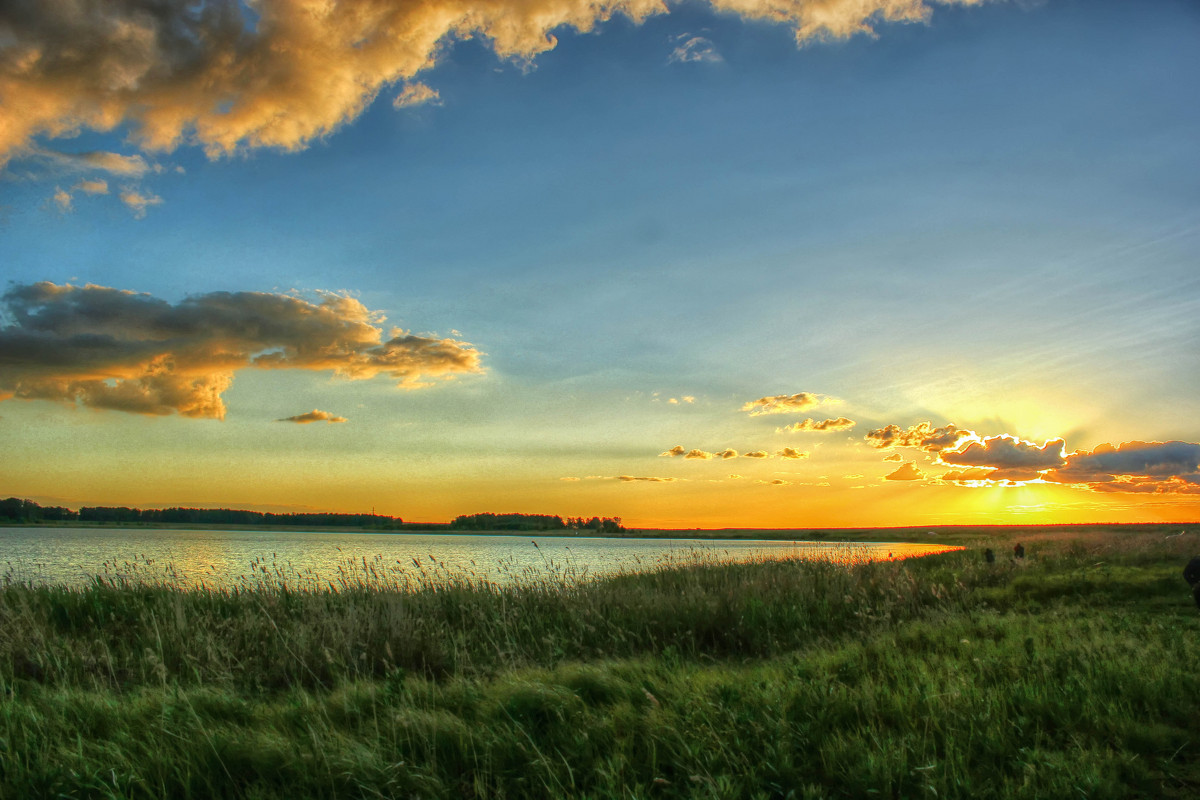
62 198
139 200
416 94
62 163
694 49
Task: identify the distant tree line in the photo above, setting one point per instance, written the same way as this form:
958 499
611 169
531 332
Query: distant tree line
26 511
16 510
534 522
600 524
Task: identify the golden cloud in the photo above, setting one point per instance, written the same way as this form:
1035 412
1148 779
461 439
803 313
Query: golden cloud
969 475
783 403
824 426
315 415
64 198
679 450
907 472
1142 484
114 349
281 73
92 187
647 479
756 454
697 454
923 436
791 452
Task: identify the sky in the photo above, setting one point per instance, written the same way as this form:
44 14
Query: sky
743 263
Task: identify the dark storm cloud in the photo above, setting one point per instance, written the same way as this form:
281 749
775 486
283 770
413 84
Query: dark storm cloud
1007 452
1133 467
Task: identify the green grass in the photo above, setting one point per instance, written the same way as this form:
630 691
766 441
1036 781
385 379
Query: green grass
1074 673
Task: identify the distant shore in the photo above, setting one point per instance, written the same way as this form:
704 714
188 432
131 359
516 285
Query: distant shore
953 534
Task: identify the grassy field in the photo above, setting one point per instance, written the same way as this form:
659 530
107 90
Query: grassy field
1074 672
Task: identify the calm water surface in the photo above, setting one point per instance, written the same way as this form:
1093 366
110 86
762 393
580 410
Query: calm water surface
72 556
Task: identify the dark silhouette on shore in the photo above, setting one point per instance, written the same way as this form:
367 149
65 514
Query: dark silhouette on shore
1191 574
488 521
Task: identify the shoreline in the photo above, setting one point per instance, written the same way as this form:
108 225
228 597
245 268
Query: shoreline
906 533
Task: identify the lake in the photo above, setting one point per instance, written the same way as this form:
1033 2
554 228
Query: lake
312 560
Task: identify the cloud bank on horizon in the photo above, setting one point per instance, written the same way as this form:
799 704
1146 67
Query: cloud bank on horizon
1158 467
113 349
975 460
230 76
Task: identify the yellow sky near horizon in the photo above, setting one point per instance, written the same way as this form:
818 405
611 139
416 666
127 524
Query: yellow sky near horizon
794 467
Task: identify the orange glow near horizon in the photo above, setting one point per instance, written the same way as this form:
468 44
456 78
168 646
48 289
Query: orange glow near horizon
692 500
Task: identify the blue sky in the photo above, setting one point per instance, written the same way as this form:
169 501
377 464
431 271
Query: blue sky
988 219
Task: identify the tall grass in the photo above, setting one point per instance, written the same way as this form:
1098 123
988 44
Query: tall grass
273 632
1071 673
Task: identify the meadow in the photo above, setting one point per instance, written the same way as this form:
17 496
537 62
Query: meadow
1073 672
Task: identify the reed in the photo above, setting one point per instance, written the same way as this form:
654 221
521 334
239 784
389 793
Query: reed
274 630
